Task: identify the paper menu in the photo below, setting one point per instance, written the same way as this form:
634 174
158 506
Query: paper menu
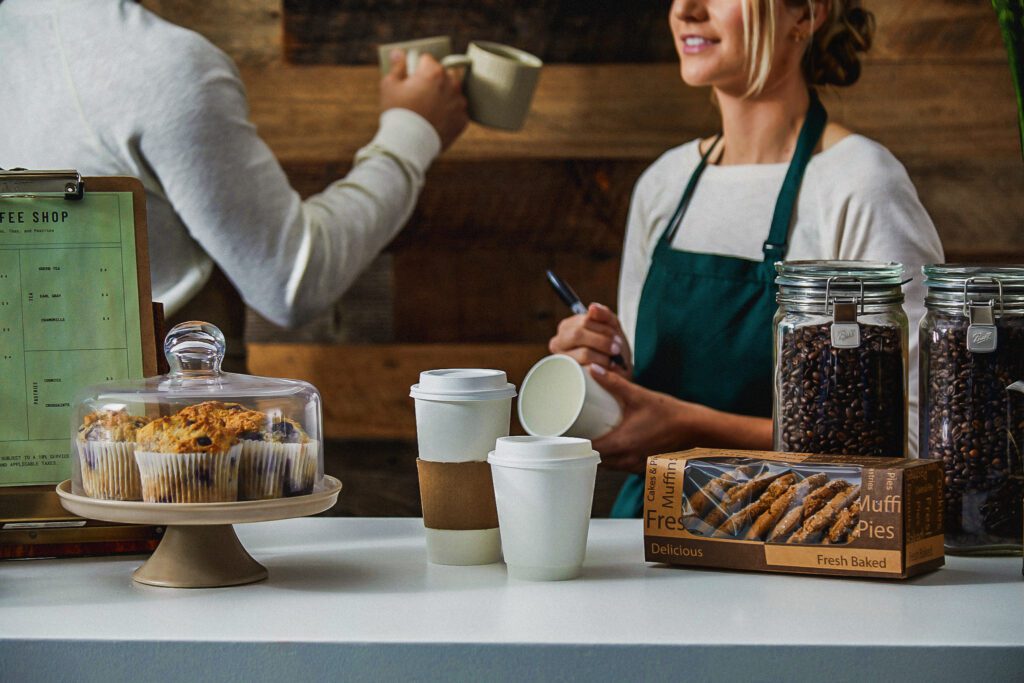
69 317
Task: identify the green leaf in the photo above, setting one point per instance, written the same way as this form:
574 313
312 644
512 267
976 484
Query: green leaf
1011 23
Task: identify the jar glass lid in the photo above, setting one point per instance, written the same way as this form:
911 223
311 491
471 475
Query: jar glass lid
869 282
956 275
955 284
811 273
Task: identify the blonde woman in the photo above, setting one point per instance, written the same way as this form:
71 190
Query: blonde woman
709 218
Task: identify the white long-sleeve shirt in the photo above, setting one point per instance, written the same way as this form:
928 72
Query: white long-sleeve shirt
856 202
108 88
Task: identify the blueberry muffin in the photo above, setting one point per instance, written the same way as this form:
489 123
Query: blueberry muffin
106 448
300 452
263 464
188 459
281 458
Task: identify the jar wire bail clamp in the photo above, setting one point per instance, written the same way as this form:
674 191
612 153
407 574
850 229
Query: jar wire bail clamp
845 331
982 334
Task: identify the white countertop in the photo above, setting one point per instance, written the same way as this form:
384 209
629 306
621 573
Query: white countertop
356 596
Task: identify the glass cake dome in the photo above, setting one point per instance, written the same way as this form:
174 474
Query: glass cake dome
197 434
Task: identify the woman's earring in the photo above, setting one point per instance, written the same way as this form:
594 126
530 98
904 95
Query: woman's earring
799 36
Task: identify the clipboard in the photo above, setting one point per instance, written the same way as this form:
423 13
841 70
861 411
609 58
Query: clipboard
63 238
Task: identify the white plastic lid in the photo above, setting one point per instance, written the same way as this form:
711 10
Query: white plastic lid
542 451
463 384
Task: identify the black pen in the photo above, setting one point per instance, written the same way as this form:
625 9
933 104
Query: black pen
572 300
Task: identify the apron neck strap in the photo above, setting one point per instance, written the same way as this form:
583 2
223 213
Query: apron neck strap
810 133
684 203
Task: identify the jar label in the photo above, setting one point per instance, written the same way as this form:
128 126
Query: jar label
981 338
845 335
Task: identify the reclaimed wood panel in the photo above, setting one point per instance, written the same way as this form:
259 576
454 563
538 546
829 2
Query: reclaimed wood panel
366 387
248 30
489 295
596 31
531 204
319 32
325 114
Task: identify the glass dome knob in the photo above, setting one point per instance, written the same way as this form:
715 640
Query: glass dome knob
193 348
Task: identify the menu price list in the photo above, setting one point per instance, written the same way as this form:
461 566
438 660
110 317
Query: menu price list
69 317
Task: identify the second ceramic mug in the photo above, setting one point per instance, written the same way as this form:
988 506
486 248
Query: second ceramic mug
499 82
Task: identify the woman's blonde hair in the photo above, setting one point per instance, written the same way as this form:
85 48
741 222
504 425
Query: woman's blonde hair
831 57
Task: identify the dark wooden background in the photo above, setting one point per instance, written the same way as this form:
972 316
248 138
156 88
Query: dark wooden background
463 284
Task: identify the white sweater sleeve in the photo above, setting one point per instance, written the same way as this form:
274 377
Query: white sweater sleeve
288 258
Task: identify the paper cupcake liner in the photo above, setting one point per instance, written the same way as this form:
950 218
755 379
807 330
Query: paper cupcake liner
109 471
300 468
189 477
261 470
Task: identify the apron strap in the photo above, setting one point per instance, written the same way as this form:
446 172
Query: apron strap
814 123
677 217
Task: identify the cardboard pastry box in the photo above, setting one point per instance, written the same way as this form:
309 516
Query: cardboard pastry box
836 515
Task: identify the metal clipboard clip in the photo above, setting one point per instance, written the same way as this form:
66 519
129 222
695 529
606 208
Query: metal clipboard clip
21 183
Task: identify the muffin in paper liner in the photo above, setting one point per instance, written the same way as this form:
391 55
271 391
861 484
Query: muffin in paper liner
106 451
205 477
109 471
300 468
261 470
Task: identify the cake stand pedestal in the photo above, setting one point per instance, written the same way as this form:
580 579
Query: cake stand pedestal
200 548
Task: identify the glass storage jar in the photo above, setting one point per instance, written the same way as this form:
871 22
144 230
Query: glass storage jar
840 358
196 435
972 351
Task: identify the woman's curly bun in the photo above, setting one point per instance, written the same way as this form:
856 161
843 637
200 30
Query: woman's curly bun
833 57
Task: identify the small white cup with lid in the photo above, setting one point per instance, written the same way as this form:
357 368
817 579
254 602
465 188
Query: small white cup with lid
460 414
544 489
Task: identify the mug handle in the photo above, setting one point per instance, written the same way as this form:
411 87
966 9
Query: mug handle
455 61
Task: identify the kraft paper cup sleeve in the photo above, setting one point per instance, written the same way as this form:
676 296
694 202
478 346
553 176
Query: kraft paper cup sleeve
457 496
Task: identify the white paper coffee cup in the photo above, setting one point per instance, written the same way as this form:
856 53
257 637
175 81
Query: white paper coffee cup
460 414
560 398
544 489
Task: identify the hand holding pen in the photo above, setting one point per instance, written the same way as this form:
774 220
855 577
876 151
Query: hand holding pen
592 336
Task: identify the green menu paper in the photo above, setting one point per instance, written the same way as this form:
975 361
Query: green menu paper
69 317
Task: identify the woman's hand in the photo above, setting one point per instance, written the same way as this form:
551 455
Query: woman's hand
652 423
592 338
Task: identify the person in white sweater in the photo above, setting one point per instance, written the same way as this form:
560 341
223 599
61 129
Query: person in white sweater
763 61
108 88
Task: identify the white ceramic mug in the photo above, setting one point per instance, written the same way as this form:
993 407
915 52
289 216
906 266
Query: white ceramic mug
500 81
560 398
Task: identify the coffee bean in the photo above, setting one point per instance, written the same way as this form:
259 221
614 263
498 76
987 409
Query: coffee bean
841 401
964 423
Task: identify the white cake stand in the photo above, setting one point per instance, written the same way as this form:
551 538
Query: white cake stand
199 548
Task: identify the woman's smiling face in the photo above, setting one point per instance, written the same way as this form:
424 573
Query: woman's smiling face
708 36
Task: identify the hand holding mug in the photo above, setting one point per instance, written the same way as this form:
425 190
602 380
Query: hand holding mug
499 80
433 92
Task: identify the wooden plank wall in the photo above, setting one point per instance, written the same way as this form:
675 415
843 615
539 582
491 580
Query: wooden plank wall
501 207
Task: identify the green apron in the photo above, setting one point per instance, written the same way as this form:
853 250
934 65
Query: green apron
704 325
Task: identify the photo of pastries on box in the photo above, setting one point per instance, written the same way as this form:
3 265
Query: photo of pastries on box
208 452
772 502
